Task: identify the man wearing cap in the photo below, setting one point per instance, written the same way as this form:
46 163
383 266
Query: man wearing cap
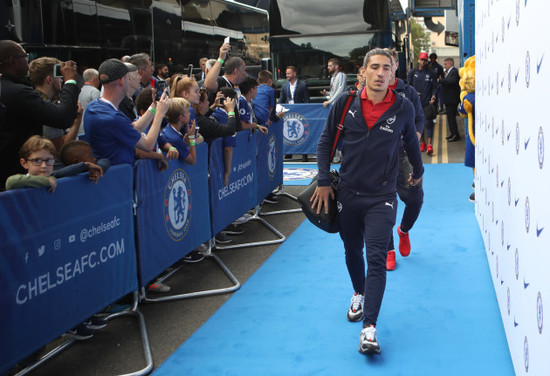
26 111
423 79
112 134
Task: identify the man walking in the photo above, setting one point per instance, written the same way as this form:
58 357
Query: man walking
423 80
373 128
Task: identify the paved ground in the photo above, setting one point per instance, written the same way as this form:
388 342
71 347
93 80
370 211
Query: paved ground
117 349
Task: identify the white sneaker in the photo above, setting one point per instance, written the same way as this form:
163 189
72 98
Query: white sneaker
368 343
355 312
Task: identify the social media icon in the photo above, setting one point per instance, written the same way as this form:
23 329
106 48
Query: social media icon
41 250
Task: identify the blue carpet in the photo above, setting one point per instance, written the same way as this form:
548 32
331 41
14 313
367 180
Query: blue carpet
439 315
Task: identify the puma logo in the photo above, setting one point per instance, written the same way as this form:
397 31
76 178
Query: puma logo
352 113
388 204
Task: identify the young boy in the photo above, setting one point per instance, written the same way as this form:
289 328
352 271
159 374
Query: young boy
37 157
78 157
249 89
178 115
264 103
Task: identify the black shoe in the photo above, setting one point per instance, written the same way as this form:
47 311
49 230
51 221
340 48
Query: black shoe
271 199
473 197
81 332
95 323
233 230
222 238
449 137
454 138
304 158
288 156
193 256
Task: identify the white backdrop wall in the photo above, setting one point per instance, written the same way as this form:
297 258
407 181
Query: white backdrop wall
512 173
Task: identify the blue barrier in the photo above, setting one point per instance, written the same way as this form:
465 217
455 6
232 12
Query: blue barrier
230 202
302 127
173 206
64 256
270 160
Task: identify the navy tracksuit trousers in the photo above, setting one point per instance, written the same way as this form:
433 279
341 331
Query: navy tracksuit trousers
367 221
412 196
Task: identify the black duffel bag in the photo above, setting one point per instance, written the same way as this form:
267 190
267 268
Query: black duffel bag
325 221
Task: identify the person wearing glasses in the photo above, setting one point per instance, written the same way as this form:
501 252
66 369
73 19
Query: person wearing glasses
38 158
25 109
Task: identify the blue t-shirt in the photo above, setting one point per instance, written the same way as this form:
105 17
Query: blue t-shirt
171 135
263 101
110 133
220 115
245 112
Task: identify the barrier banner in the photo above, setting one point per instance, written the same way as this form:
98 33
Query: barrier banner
172 212
302 127
64 257
240 195
270 160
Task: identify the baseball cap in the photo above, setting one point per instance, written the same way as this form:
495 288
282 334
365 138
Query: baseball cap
423 55
111 69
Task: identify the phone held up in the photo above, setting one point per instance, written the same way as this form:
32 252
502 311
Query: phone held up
57 70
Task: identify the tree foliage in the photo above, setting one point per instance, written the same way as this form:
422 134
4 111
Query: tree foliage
420 38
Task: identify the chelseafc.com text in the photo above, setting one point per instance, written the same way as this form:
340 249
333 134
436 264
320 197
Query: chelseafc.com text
73 269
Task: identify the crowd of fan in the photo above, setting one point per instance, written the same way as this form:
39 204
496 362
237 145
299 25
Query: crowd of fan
52 127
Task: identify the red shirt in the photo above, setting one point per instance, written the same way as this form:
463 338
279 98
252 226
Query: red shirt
371 111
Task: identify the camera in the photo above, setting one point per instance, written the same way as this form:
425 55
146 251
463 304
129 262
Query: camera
221 100
57 70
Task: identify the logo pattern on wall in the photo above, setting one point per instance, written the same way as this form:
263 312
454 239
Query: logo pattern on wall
512 179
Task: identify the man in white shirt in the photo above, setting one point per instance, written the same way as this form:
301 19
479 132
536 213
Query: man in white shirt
337 81
89 92
293 91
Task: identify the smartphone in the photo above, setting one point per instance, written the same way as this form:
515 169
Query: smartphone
226 40
57 70
161 85
221 100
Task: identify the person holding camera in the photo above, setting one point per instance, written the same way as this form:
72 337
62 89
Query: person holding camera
26 110
48 82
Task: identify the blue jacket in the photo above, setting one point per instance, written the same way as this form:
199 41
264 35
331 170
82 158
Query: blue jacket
410 93
370 158
424 82
301 94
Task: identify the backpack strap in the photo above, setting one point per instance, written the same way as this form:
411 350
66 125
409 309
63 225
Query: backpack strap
340 127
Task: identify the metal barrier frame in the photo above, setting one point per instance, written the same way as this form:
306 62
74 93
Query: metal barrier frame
133 311
256 217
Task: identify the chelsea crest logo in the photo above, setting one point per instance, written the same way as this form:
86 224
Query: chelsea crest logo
295 129
271 156
177 205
